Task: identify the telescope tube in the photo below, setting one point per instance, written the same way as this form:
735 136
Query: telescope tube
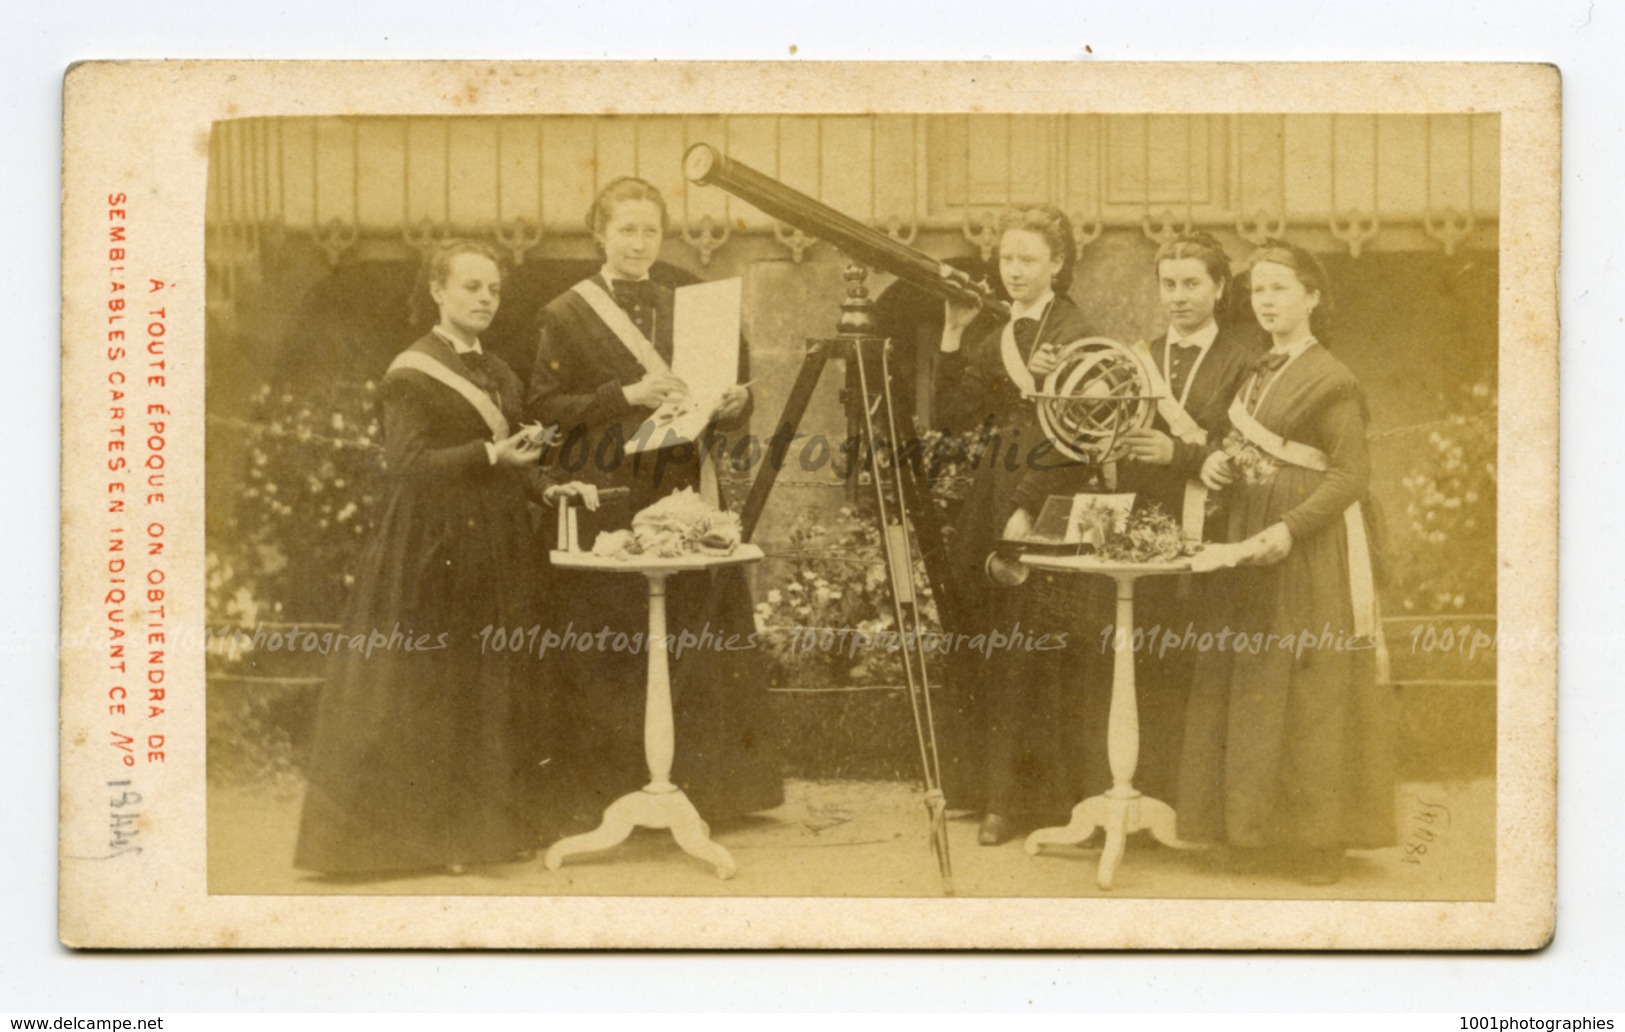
704 165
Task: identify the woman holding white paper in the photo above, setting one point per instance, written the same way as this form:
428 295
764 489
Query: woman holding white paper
603 368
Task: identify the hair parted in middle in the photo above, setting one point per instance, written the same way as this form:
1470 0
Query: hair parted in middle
1205 248
436 268
1052 224
1310 272
624 188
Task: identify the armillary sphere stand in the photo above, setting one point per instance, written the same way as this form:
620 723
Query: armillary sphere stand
1122 810
902 505
660 803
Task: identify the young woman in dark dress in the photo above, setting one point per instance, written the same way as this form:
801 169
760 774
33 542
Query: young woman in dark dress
1065 693
1201 359
985 372
1288 740
602 368
427 744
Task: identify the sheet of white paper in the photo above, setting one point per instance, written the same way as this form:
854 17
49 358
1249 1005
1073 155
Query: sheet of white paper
704 355
705 338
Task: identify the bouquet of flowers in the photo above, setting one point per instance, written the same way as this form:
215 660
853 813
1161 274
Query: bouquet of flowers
1255 465
679 524
1150 536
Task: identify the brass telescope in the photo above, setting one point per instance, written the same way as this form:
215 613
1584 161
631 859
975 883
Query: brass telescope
706 166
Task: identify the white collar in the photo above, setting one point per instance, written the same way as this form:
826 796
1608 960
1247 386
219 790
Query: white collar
1034 310
1293 351
457 345
1202 338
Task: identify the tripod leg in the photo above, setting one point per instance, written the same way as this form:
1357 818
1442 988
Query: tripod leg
795 406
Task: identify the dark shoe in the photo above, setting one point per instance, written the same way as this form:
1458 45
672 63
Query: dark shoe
994 830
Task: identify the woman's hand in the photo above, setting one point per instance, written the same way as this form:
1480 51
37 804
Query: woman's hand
520 450
956 315
1273 544
732 403
1150 445
654 390
588 493
1044 359
1018 525
1217 472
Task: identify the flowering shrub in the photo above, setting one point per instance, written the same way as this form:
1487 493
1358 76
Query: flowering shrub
836 583
1448 557
310 494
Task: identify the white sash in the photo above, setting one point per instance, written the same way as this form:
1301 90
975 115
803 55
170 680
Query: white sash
1172 411
417 361
622 326
1014 367
626 331
1362 584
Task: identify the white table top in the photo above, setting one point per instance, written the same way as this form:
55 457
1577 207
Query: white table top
1107 567
745 553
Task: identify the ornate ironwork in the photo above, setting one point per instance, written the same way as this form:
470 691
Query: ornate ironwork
982 229
1450 227
1087 232
336 236
1164 227
794 239
1260 226
518 235
708 236
1355 228
426 234
898 229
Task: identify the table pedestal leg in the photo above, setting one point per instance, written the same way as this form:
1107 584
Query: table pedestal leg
1122 810
659 804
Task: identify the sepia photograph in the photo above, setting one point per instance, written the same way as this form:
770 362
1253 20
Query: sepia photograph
1085 505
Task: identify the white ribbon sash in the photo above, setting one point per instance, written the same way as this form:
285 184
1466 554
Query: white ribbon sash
1362 584
626 331
1014 366
1168 407
622 326
1185 428
417 361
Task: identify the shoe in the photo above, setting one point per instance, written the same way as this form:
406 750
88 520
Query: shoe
994 830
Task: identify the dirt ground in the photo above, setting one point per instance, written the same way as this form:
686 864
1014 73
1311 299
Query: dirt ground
868 838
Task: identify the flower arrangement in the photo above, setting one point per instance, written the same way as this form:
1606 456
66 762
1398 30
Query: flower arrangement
1149 536
1252 463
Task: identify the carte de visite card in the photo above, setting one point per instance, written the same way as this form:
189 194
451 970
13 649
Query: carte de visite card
341 340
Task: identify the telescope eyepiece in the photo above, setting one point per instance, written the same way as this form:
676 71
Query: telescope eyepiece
700 161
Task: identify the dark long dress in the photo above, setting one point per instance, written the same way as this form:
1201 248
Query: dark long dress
725 757
1060 700
1173 606
426 743
973 391
1288 746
